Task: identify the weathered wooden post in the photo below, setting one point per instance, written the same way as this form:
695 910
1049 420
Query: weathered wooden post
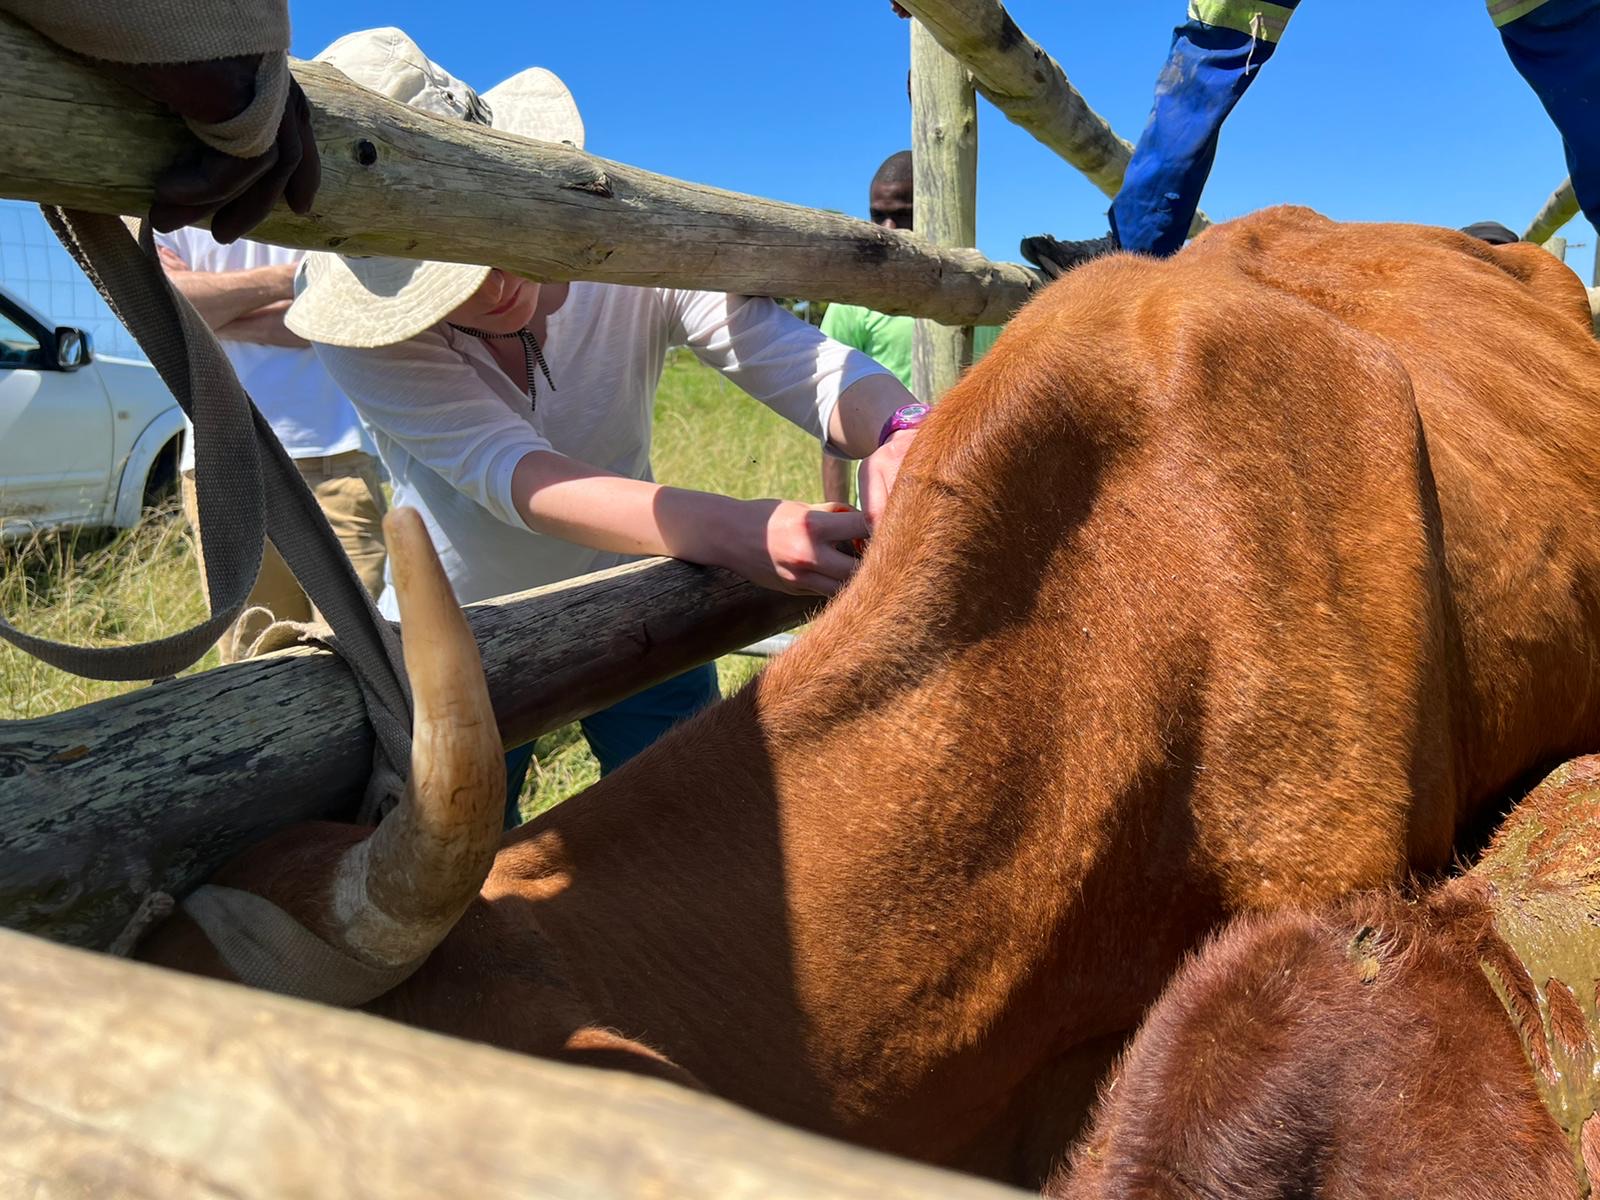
944 154
154 790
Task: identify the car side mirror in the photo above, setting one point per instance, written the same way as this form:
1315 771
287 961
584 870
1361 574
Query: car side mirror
72 348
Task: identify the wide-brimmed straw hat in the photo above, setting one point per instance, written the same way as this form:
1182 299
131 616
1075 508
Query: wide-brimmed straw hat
354 301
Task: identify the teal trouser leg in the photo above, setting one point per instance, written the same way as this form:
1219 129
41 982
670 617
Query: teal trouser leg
617 733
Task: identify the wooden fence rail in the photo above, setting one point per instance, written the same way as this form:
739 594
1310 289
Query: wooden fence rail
1557 211
118 1079
156 789
403 182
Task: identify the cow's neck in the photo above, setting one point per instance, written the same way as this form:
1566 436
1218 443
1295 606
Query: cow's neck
826 895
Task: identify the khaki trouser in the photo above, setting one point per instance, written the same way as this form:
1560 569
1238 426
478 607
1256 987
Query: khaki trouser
346 486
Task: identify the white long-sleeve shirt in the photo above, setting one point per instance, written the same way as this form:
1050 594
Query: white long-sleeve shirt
290 387
451 427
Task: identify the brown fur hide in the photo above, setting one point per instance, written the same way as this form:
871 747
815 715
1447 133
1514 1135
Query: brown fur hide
1226 582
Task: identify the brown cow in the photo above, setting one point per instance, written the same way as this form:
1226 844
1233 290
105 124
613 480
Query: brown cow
1380 1049
1224 582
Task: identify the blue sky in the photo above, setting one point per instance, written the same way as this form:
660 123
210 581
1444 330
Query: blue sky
1360 118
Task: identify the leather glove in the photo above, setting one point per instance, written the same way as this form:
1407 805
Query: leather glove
235 192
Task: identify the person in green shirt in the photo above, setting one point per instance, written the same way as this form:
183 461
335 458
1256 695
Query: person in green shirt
880 336
888 339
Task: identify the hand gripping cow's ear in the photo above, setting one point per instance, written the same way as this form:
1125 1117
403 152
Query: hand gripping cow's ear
399 892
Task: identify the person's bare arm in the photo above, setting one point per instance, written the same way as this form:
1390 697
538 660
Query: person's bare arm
836 478
778 544
863 409
264 327
222 297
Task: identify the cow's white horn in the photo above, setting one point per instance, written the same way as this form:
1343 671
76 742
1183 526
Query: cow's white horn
401 891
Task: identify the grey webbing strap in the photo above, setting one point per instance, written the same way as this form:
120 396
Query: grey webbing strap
233 531
241 473
267 948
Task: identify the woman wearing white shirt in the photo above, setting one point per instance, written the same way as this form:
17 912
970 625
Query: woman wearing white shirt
516 416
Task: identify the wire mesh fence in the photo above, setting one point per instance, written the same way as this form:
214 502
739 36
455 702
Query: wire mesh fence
36 268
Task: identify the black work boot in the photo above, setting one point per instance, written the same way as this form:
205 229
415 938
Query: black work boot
1055 258
1492 232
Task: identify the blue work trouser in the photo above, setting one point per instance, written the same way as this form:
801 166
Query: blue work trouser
1207 71
1556 47
617 733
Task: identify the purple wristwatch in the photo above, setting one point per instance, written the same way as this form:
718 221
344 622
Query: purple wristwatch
907 416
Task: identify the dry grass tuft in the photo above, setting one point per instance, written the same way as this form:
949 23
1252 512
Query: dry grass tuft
94 588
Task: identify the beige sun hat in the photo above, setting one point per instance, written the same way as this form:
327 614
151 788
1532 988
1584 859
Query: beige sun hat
353 301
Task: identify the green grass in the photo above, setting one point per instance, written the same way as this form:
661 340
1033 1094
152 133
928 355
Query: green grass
98 589
711 436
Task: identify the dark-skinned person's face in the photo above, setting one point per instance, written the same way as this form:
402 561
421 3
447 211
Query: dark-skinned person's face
889 205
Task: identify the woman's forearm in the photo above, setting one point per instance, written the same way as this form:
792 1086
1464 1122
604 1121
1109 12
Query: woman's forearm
263 327
564 498
862 410
779 544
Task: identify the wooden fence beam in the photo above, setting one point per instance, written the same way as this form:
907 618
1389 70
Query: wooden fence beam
1013 72
119 1079
155 789
944 155
402 182
1557 211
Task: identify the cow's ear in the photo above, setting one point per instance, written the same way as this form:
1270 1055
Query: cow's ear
592 1046
1589 1146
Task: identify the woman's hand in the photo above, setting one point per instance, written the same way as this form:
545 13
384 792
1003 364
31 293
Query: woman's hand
778 544
794 547
879 471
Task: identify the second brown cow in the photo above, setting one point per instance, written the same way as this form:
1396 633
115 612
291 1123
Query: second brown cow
1381 1049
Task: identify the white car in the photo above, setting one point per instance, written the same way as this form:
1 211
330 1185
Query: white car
84 440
